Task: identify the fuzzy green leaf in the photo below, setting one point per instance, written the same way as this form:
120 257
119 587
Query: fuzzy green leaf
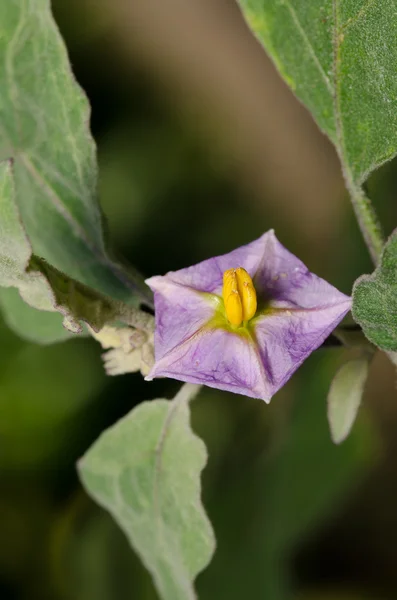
42 286
145 471
44 128
340 59
375 300
31 324
15 255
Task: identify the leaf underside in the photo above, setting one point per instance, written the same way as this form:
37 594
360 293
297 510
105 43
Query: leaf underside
42 286
146 471
345 396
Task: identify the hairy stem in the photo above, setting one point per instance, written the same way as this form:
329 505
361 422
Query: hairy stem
368 222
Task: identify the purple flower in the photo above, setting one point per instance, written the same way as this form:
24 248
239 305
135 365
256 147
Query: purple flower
246 330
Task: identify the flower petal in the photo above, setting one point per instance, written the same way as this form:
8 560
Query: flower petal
180 313
219 359
286 282
286 338
207 276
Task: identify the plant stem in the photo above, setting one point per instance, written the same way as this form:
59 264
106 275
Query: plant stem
368 222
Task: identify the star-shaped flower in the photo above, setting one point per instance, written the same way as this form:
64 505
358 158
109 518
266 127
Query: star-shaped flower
244 321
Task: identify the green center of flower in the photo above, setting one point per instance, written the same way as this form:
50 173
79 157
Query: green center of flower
239 296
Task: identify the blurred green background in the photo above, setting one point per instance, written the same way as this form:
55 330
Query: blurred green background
202 148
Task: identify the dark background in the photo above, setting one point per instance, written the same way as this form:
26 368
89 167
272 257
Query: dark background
202 148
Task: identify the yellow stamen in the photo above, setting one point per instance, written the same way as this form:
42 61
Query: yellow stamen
239 296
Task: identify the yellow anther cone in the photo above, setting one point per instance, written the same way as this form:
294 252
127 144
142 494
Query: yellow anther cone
239 296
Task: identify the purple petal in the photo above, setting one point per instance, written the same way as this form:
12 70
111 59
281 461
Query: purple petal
286 282
219 359
286 338
207 276
180 312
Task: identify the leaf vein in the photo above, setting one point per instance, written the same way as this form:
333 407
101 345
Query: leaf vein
309 46
59 206
361 13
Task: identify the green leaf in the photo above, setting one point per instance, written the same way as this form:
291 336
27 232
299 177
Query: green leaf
344 397
42 286
44 119
15 255
31 324
145 471
375 300
340 59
